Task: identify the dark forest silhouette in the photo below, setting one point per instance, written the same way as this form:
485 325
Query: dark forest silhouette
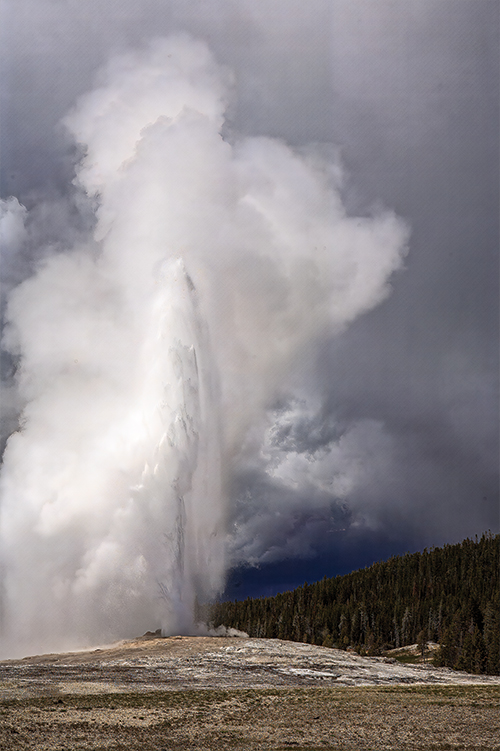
449 595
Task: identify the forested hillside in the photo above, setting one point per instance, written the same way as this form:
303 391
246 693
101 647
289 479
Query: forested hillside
449 595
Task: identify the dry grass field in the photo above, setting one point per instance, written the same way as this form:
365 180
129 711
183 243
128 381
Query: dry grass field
440 718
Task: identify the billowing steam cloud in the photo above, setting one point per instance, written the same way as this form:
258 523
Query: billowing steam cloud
146 353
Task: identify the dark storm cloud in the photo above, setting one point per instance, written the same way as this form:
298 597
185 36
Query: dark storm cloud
425 363
392 429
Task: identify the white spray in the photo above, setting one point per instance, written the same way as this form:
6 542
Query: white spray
146 353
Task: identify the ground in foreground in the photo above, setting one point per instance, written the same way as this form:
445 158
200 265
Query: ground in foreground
401 718
213 694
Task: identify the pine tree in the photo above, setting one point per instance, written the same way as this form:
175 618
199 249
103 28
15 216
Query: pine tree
451 594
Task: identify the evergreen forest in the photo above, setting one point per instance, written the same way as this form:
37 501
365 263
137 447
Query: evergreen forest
448 595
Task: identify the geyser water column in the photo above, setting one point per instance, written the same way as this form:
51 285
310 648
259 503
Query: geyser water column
177 505
146 354
112 508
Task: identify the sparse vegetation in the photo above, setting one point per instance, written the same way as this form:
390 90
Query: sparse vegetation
362 718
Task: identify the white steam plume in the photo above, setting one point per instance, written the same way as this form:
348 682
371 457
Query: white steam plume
146 353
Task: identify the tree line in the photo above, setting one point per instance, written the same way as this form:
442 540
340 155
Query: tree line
448 595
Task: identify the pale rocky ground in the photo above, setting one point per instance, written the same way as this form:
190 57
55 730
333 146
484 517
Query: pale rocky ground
195 662
216 693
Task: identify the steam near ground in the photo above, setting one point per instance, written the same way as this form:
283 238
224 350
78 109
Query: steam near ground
154 354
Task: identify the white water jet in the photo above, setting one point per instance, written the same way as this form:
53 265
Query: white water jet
146 354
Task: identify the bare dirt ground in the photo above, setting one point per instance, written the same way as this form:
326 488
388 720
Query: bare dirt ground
225 693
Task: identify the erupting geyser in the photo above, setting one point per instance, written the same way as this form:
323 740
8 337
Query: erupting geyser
145 354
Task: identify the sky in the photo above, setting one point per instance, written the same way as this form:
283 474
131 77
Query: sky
380 434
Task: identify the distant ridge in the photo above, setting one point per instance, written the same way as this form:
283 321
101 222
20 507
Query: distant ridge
450 595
